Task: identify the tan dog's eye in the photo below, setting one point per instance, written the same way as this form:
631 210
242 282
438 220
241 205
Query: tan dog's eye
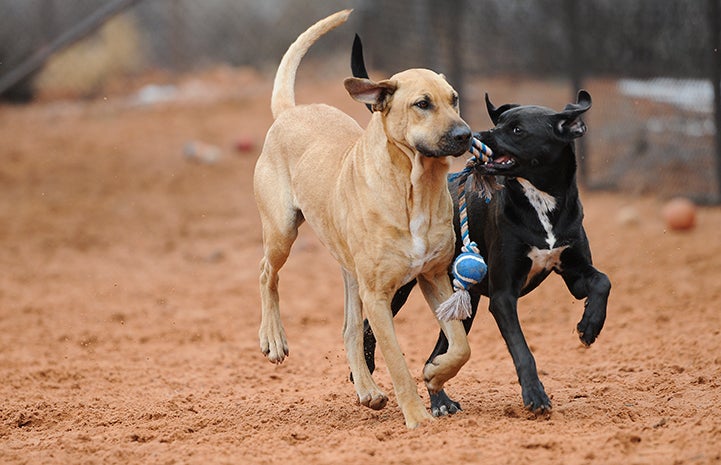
454 100
423 104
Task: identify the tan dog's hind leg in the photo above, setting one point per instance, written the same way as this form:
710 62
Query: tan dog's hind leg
369 394
380 318
445 366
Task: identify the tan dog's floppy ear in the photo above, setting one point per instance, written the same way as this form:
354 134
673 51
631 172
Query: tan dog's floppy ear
371 93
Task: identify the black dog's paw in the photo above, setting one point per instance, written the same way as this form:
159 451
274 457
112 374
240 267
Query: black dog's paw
442 405
588 331
594 313
535 399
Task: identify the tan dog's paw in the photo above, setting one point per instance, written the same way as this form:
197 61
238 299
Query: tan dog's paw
275 347
414 419
375 400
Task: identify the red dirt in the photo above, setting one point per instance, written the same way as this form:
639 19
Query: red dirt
129 312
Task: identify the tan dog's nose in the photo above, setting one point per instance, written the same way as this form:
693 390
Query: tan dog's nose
461 134
456 141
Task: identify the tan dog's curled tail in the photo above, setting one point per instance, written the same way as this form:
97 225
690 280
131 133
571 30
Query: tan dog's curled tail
283 96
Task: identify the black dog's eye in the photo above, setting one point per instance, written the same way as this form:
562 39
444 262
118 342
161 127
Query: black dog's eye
517 130
423 104
454 100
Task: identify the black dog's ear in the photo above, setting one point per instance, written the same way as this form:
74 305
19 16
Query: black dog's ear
568 122
357 63
583 103
495 113
583 100
374 94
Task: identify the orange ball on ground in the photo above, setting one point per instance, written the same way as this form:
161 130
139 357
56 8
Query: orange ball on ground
679 214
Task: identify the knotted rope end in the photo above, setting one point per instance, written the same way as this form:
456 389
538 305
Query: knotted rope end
468 269
456 307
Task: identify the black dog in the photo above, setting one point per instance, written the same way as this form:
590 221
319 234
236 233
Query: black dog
531 227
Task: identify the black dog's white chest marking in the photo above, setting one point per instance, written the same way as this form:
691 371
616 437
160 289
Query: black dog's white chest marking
542 259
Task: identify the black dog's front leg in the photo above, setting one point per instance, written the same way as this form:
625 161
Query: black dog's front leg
595 287
594 313
586 282
503 308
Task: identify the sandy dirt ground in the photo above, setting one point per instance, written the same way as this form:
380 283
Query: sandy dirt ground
129 310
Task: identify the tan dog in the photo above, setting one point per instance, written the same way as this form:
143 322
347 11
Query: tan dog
379 201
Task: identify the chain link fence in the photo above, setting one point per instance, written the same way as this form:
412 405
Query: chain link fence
647 63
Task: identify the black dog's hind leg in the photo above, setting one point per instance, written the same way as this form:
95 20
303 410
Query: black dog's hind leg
369 339
441 404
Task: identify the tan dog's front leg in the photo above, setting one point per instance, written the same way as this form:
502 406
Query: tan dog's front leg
369 394
445 366
380 318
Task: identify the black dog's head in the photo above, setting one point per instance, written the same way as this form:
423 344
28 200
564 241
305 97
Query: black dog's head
531 141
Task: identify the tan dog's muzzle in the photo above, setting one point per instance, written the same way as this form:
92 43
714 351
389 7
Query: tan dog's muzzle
454 142
457 141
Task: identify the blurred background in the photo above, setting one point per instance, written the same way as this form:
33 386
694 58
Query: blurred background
650 65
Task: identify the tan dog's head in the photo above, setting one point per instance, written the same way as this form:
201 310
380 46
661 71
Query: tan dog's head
420 111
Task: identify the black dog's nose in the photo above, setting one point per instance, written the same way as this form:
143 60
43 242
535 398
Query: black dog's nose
461 134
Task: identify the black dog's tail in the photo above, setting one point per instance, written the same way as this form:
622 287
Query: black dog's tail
357 63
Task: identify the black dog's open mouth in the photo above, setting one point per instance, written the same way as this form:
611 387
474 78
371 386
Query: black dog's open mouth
499 163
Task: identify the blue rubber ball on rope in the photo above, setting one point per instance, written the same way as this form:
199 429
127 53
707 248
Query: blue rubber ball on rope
468 269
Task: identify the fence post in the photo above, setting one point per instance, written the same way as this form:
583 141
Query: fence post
178 45
455 20
575 63
715 75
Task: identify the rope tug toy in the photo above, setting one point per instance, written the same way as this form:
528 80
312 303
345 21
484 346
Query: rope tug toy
469 267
